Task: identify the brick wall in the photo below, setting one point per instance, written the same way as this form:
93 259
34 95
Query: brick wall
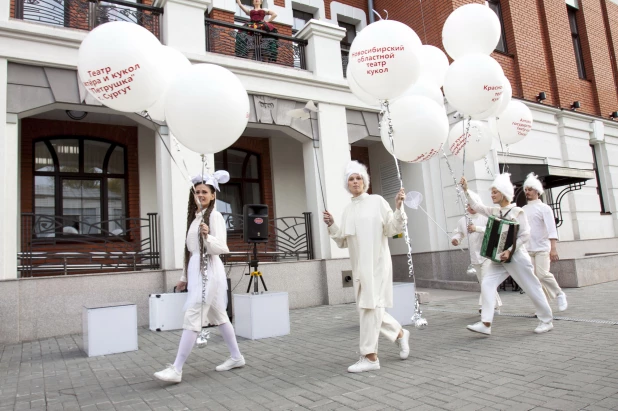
34 129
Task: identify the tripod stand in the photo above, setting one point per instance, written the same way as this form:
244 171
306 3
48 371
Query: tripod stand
255 273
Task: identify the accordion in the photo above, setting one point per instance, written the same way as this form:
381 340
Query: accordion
500 235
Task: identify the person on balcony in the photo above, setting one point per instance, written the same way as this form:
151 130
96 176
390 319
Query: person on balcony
515 263
366 225
543 237
269 47
205 228
473 227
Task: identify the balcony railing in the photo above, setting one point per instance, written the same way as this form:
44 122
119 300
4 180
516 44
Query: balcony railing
345 55
53 245
290 238
88 14
249 43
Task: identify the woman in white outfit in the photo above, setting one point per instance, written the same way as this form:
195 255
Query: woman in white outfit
212 235
366 225
474 229
519 267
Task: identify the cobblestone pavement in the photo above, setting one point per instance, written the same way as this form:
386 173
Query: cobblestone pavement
573 367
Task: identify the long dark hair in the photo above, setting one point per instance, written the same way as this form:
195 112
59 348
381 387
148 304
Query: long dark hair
191 210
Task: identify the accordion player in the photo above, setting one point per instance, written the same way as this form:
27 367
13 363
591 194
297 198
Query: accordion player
500 235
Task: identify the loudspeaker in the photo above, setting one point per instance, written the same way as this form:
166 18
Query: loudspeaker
255 224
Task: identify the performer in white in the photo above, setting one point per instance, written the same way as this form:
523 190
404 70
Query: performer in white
520 267
475 231
366 225
543 237
197 315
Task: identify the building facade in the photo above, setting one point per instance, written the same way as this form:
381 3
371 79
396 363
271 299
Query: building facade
87 189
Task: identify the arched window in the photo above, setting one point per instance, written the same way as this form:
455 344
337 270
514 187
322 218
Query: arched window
245 185
79 187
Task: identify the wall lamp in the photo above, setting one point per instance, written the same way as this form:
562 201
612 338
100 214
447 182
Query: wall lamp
575 105
76 115
614 115
542 96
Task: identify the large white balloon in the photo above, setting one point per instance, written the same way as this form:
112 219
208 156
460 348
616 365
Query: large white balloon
478 140
500 105
424 87
473 84
117 65
514 123
434 63
420 128
383 60
171 62
473 28
361 94
206 108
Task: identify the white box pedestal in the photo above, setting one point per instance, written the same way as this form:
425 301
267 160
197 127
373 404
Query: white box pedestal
261 315
403 303
109 328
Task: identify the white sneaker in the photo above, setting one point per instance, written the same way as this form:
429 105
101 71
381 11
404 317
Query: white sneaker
562 302
231 363
480 328
404 344
170 374
364 365
544 327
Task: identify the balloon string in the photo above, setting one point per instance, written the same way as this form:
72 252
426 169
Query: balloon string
317 163
423 18
436 223
417 317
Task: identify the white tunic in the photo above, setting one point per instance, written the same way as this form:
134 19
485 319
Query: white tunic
216 243
542 226
510 212
475 238
366 224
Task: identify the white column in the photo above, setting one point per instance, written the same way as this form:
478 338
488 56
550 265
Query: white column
332 156
183 25
5 10
324 49
164 199
9 172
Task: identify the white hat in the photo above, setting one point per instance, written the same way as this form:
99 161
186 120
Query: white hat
503 184
354 167
534 183
219 177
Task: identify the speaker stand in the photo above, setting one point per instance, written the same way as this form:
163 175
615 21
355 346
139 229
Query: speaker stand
255 273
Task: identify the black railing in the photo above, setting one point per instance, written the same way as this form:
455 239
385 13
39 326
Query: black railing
249 43
290 238
88 14
55 244
345 56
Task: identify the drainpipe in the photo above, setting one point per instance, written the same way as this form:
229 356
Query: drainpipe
370 11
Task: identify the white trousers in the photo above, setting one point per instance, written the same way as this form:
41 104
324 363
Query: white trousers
372 322
479 275
522 271
541 262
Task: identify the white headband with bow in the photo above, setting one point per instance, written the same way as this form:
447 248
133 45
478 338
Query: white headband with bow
219 177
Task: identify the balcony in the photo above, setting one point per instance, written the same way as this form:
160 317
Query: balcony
244 42
88 14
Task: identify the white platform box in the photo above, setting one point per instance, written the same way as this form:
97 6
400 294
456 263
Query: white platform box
109 328
261 315
166 311
403 303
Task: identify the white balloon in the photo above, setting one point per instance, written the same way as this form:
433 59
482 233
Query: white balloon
361 94
514 123
474 84
473 28
206 108
171 62
117 65
426 88
420 128
383 60
477 144
507 94
434 63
